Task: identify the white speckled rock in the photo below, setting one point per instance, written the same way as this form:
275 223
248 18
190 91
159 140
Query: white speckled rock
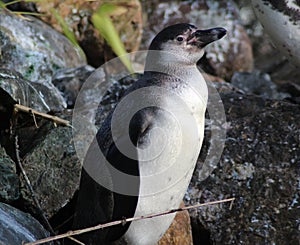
281 20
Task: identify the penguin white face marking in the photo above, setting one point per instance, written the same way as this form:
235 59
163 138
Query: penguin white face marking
181 46
190 43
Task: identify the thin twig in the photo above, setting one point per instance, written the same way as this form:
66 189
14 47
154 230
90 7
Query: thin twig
36 202
75 240
101 226
34 119
231 204
55 119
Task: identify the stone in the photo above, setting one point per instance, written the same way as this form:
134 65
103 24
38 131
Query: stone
9 180
30 94
17 227
53 170
260 167
30 130
34 49
180 231
257 83
70 80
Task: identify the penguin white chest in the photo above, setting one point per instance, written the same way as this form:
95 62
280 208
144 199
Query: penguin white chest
167 162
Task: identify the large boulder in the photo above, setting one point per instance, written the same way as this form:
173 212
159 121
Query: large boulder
260 167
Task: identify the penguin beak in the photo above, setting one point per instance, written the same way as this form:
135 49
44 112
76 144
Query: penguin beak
201 38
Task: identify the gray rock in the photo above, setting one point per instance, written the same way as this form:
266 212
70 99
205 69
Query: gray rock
34 49
34 95
54 171
257 83
113 95
17 227
260 167
70 80
9 180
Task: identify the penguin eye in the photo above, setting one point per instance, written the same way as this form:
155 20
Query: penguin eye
179 38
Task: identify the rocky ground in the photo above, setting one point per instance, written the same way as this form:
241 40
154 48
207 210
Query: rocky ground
253 84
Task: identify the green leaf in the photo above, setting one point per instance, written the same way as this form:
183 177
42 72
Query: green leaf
2 5
68 33
104 25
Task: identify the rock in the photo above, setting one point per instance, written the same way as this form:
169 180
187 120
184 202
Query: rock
77 14
14 88
20 6
17 227
6 110
113 95
9 180
180 231
257 83
69 82
34 95
291 88
54 171
282 22
260 167
232 53
34 49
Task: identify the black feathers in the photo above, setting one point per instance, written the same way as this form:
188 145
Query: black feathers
169 33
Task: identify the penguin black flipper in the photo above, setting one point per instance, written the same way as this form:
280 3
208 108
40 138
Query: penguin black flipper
94 204
125 205
98 205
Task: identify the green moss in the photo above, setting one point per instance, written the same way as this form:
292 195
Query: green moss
55 67
29 71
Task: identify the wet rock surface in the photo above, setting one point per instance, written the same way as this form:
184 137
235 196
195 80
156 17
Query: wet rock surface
17 227
260 167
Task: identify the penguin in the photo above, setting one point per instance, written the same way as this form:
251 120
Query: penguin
281 20
143 156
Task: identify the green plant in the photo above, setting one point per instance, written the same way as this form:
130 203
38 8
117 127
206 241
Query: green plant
3 6
66 30
102 21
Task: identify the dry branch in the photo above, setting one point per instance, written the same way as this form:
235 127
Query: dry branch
101 226
56 120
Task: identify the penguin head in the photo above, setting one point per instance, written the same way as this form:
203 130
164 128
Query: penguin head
186 40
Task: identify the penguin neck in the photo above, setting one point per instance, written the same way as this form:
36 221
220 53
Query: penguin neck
172 64
183 71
